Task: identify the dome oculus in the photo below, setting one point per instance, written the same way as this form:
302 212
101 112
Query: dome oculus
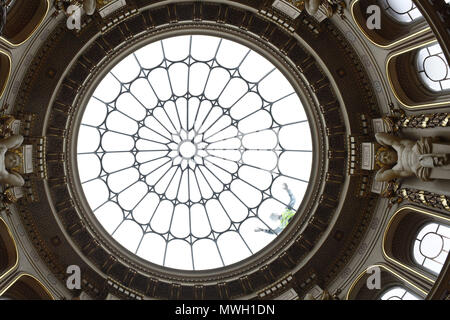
194 152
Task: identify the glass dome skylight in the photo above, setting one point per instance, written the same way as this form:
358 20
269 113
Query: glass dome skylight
194 152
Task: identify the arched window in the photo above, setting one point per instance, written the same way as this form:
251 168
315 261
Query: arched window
22 20
393 286
5 70
433 68
26 287
398 293
431 246
404 11
8 250
400 20
420 76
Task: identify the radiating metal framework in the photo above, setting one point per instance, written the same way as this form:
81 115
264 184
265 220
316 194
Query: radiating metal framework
193 153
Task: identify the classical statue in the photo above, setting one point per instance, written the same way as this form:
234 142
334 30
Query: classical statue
311 6
89 6
401 158
9 160
9 126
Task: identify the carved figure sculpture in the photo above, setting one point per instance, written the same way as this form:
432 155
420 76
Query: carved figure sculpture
89 6
312 6
9 160
400 158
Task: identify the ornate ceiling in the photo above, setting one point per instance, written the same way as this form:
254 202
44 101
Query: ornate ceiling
344 83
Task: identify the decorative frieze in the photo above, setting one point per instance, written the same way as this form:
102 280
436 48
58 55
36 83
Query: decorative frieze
420 197
423 121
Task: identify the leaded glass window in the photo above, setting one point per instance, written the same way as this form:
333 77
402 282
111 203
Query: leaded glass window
194 152
431 246
404 11
399 293
433 68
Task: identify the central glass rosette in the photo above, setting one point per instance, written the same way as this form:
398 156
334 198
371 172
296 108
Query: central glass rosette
194 152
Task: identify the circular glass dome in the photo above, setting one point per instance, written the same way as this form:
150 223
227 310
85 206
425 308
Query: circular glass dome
194 152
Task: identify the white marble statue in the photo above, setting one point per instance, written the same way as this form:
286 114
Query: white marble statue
312 6
9 160
424 158
89 6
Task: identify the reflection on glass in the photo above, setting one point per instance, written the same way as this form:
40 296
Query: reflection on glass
186 148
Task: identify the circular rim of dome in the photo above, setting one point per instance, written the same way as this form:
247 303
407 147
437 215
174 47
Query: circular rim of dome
336 83
171 148
282 241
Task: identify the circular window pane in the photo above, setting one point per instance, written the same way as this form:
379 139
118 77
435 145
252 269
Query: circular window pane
431 245
194 152
401 7
435 68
